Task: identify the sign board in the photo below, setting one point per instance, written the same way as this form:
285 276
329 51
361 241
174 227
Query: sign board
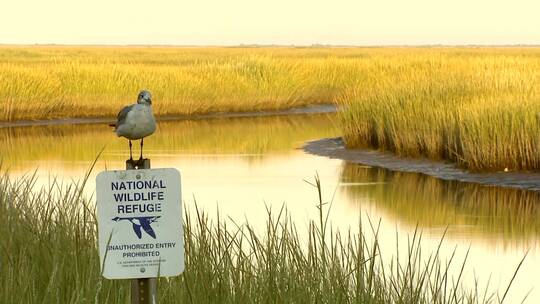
139 215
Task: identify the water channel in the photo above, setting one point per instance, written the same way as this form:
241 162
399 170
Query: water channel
241 166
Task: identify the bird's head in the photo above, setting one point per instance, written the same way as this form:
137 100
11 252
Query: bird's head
144 97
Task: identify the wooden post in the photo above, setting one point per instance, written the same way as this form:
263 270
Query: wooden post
143 291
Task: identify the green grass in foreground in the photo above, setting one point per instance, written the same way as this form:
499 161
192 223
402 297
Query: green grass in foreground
49 255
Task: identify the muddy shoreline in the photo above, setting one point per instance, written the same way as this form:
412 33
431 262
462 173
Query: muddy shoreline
335 148
315 109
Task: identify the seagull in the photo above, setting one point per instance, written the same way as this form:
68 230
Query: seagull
136 121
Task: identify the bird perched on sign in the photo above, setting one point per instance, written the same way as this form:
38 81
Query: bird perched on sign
136 121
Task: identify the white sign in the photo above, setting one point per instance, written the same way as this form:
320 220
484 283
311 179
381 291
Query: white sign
140 223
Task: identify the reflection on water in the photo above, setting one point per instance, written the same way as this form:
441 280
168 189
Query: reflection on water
216 136
242 165
471 210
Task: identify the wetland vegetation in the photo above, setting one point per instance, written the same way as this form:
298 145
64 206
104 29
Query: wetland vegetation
49 253
474 107
477 107
60 82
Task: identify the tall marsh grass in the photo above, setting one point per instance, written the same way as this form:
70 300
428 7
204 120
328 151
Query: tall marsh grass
59 82
49 255
478 108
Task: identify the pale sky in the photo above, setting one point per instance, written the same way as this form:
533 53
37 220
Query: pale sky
284 22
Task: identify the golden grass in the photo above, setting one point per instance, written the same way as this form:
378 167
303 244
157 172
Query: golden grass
476 107
58 82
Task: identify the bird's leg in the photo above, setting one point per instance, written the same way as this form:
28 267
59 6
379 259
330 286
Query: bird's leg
142 140
130 153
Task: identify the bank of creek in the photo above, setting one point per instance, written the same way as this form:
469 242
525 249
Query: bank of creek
243 165
335 148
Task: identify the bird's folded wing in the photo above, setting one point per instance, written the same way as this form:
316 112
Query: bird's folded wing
123 114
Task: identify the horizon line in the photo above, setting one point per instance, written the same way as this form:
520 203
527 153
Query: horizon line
255 45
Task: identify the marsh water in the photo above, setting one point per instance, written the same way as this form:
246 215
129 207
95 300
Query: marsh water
242 167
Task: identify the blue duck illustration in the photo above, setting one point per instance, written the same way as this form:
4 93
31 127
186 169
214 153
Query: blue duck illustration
138 222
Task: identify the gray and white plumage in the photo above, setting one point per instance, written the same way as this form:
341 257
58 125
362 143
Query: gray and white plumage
137 121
